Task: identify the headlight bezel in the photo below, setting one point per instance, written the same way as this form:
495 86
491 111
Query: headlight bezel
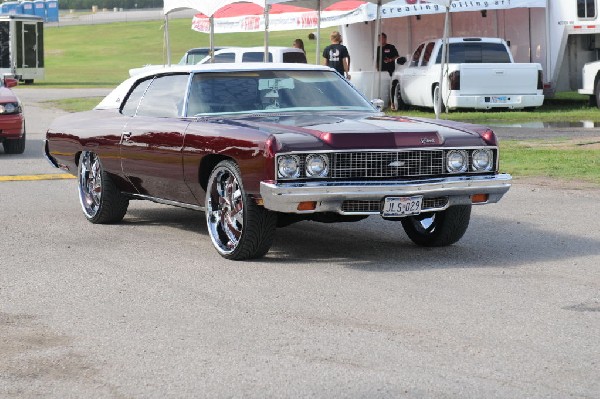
288 157
464 166
489 166
307 164
10 108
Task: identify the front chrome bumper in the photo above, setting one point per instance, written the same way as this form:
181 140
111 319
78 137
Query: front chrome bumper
330 195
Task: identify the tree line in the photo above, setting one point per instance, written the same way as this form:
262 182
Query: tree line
125 4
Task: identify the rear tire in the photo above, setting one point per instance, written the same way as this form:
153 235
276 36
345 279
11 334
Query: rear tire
15 146
100 199
597 93
438 229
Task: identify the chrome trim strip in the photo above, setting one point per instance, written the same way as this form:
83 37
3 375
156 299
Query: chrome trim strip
396 149
329 195
48 157
166 202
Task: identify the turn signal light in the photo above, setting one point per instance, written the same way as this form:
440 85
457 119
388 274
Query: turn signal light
307 206
479 198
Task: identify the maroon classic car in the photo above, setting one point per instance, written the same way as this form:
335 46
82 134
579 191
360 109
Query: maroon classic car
260 146
12 123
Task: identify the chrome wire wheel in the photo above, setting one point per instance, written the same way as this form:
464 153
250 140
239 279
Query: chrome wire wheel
90 184
238 227
225 211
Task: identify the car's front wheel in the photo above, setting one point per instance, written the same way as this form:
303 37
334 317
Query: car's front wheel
397 102
238 227
100 199
438 229
15 146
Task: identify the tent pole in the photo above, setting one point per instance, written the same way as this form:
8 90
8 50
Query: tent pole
376 76
318 47
443 65
167 39
266 17
211 21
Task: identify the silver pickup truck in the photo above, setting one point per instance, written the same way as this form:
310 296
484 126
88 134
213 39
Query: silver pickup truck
481 74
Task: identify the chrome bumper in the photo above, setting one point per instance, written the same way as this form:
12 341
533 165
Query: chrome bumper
330 195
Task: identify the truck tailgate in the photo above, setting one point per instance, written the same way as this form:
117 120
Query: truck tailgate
493 79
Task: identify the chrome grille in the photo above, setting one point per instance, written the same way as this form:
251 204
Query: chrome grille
362 206
387 164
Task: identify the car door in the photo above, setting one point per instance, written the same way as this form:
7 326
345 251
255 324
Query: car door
410 91
152 138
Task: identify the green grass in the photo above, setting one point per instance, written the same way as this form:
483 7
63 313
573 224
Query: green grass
104 58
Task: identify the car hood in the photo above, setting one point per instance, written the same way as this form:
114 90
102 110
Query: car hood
296 132
7 95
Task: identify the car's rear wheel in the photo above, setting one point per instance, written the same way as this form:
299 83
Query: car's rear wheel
438 229
15 146
238 227
100 199
597 93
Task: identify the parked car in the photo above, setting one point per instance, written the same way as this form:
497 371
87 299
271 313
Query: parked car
590 82
12 121
257 146
481 74
195 55
257 54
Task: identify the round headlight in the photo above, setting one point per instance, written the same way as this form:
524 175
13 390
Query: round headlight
317 165
482 160
288 166
457 161
9 108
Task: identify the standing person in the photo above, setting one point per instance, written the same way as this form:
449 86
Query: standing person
298 43
336 55
388 53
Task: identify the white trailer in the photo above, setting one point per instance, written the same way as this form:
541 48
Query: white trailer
22 47
562 36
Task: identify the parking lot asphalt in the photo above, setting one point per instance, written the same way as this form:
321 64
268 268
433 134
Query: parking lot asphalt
147 309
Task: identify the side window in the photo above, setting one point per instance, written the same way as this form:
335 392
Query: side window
225 57
164 97
133 100
586 9
427 55
256 57
416 55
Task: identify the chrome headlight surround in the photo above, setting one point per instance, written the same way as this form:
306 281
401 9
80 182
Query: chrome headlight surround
316 165
457 161
482 160
288 166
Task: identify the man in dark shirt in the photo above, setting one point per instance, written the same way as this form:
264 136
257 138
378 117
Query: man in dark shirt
388 54
336 55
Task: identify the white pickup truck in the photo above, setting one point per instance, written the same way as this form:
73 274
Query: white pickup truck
591 82
481 74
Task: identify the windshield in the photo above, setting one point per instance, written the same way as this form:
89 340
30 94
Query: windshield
272 91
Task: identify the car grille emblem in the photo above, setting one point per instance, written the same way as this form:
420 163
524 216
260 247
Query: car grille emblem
397 164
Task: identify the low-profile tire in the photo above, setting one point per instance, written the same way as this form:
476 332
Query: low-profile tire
15 146
238 227
597 93
100 199
436 94
438 229
397 102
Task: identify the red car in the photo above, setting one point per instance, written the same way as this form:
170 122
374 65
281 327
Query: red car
12 122
260 146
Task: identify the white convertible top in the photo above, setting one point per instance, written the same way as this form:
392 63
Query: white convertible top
114 98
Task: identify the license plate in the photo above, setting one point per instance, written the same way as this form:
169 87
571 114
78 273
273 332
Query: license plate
501 99
401 206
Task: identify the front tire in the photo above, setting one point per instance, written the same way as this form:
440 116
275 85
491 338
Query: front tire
597 93
397 102
15 146
100 199
438 229
238 227
441 108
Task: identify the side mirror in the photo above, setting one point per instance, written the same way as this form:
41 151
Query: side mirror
10 82
401 60
378 104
